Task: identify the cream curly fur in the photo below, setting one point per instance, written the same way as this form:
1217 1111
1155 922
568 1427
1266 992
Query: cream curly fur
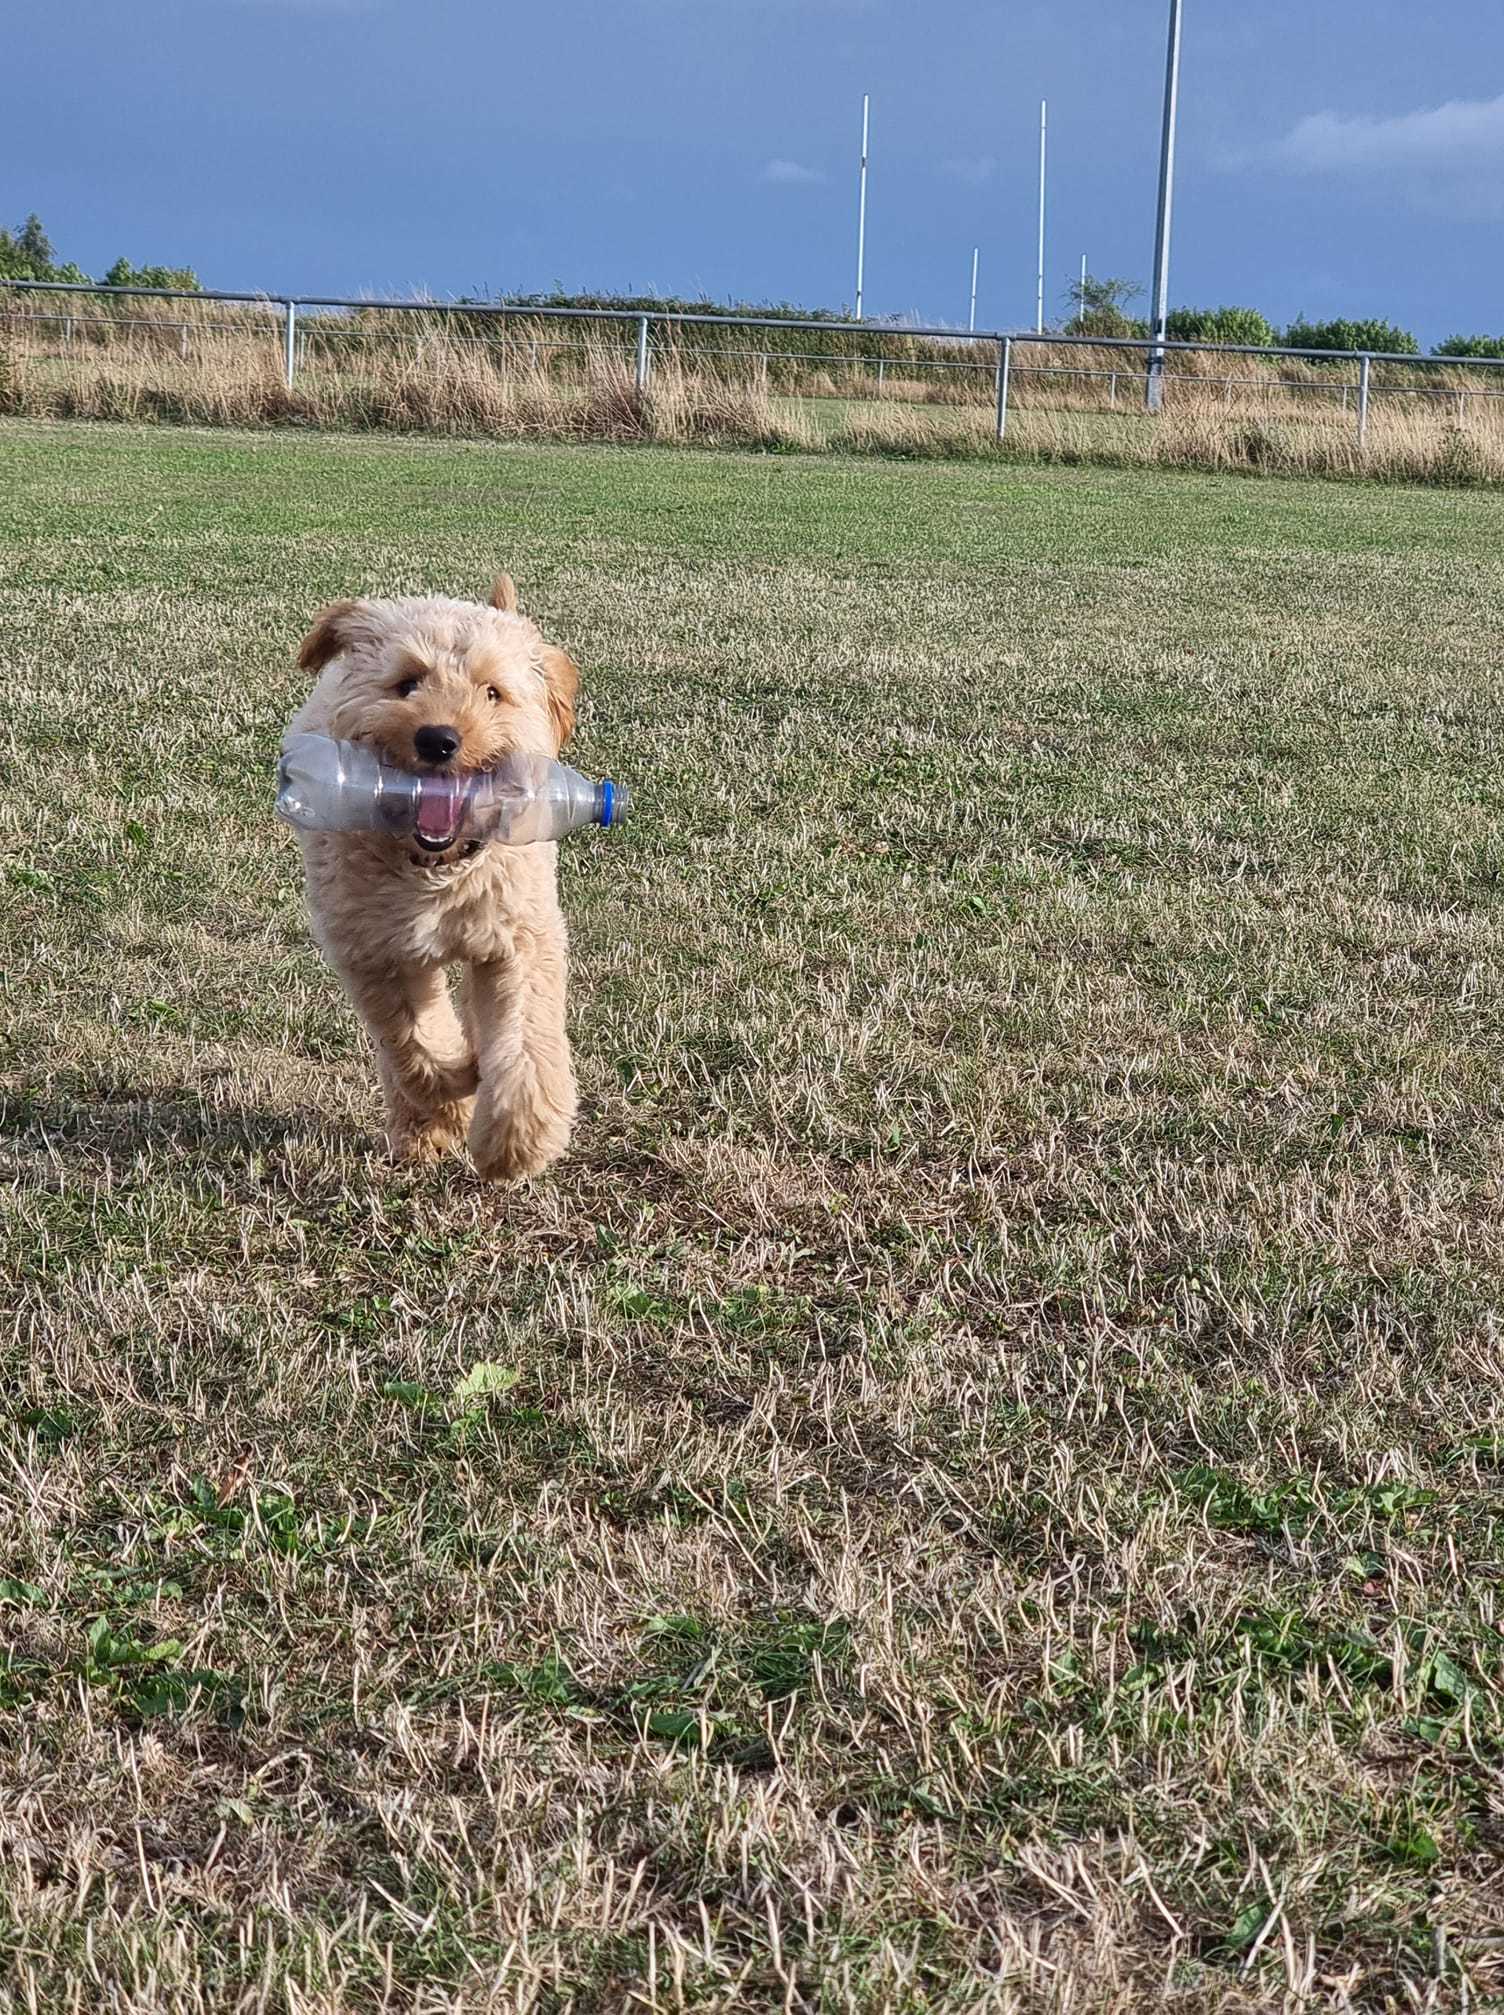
390 918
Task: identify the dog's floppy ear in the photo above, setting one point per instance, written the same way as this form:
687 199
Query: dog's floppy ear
328 637
504 594
561 675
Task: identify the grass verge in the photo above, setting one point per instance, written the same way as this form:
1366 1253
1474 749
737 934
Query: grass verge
429 379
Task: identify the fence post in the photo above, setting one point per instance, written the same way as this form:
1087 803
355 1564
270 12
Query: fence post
642 353
1004 367
183 341
290 341
1365 369
881 366
1112 394
1154 382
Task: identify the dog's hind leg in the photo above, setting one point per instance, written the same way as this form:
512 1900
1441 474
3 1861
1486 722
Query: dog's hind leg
424 1055
525 1105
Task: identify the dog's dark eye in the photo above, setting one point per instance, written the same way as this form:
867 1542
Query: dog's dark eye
493 695
405 688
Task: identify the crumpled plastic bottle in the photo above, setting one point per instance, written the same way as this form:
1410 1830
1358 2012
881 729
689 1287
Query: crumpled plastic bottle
325 786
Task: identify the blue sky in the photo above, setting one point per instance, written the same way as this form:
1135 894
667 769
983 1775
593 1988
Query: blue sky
1337 156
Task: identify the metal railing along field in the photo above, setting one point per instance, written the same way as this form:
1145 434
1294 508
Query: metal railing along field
848 360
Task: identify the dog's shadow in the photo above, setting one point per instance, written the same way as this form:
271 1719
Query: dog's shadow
86 1120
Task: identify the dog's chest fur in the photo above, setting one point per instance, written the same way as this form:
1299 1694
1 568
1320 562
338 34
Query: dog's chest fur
366 892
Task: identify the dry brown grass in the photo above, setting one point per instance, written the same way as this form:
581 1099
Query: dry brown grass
431 382
540 381
1406 446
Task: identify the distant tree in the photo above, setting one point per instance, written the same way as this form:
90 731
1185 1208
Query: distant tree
1219 325
124 274
1100 307
33 243
1471 346
26 254
1348 335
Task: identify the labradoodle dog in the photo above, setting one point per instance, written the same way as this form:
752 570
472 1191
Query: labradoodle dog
444 688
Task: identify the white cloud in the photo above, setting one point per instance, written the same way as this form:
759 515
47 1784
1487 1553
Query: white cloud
1464 133
973 169
789 173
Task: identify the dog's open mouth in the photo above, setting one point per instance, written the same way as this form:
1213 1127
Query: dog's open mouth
442 805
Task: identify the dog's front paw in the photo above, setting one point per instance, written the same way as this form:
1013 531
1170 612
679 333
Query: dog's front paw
415 1135
451 1080
508 1143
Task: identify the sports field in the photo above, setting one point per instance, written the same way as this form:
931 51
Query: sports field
979 1485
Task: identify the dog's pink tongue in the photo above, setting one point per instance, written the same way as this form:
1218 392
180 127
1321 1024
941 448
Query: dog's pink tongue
439 803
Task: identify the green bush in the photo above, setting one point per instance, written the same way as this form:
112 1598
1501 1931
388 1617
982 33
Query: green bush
124 274
26 254
1348 335
1219 325
1105 323
1101 307
1471 346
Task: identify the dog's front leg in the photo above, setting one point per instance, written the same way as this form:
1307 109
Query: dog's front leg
426 1063
525 1104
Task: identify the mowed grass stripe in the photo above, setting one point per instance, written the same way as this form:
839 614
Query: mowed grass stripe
994 1471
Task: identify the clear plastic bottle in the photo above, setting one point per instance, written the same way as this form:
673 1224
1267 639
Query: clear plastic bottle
324 786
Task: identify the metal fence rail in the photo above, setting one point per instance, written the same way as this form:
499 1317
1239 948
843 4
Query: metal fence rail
996 348
1340 391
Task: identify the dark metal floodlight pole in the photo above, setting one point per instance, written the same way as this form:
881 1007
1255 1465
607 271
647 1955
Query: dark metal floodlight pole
1159 313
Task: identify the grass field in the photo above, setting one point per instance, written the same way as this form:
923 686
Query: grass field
992 1495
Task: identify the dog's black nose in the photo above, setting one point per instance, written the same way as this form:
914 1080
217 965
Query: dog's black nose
436 745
